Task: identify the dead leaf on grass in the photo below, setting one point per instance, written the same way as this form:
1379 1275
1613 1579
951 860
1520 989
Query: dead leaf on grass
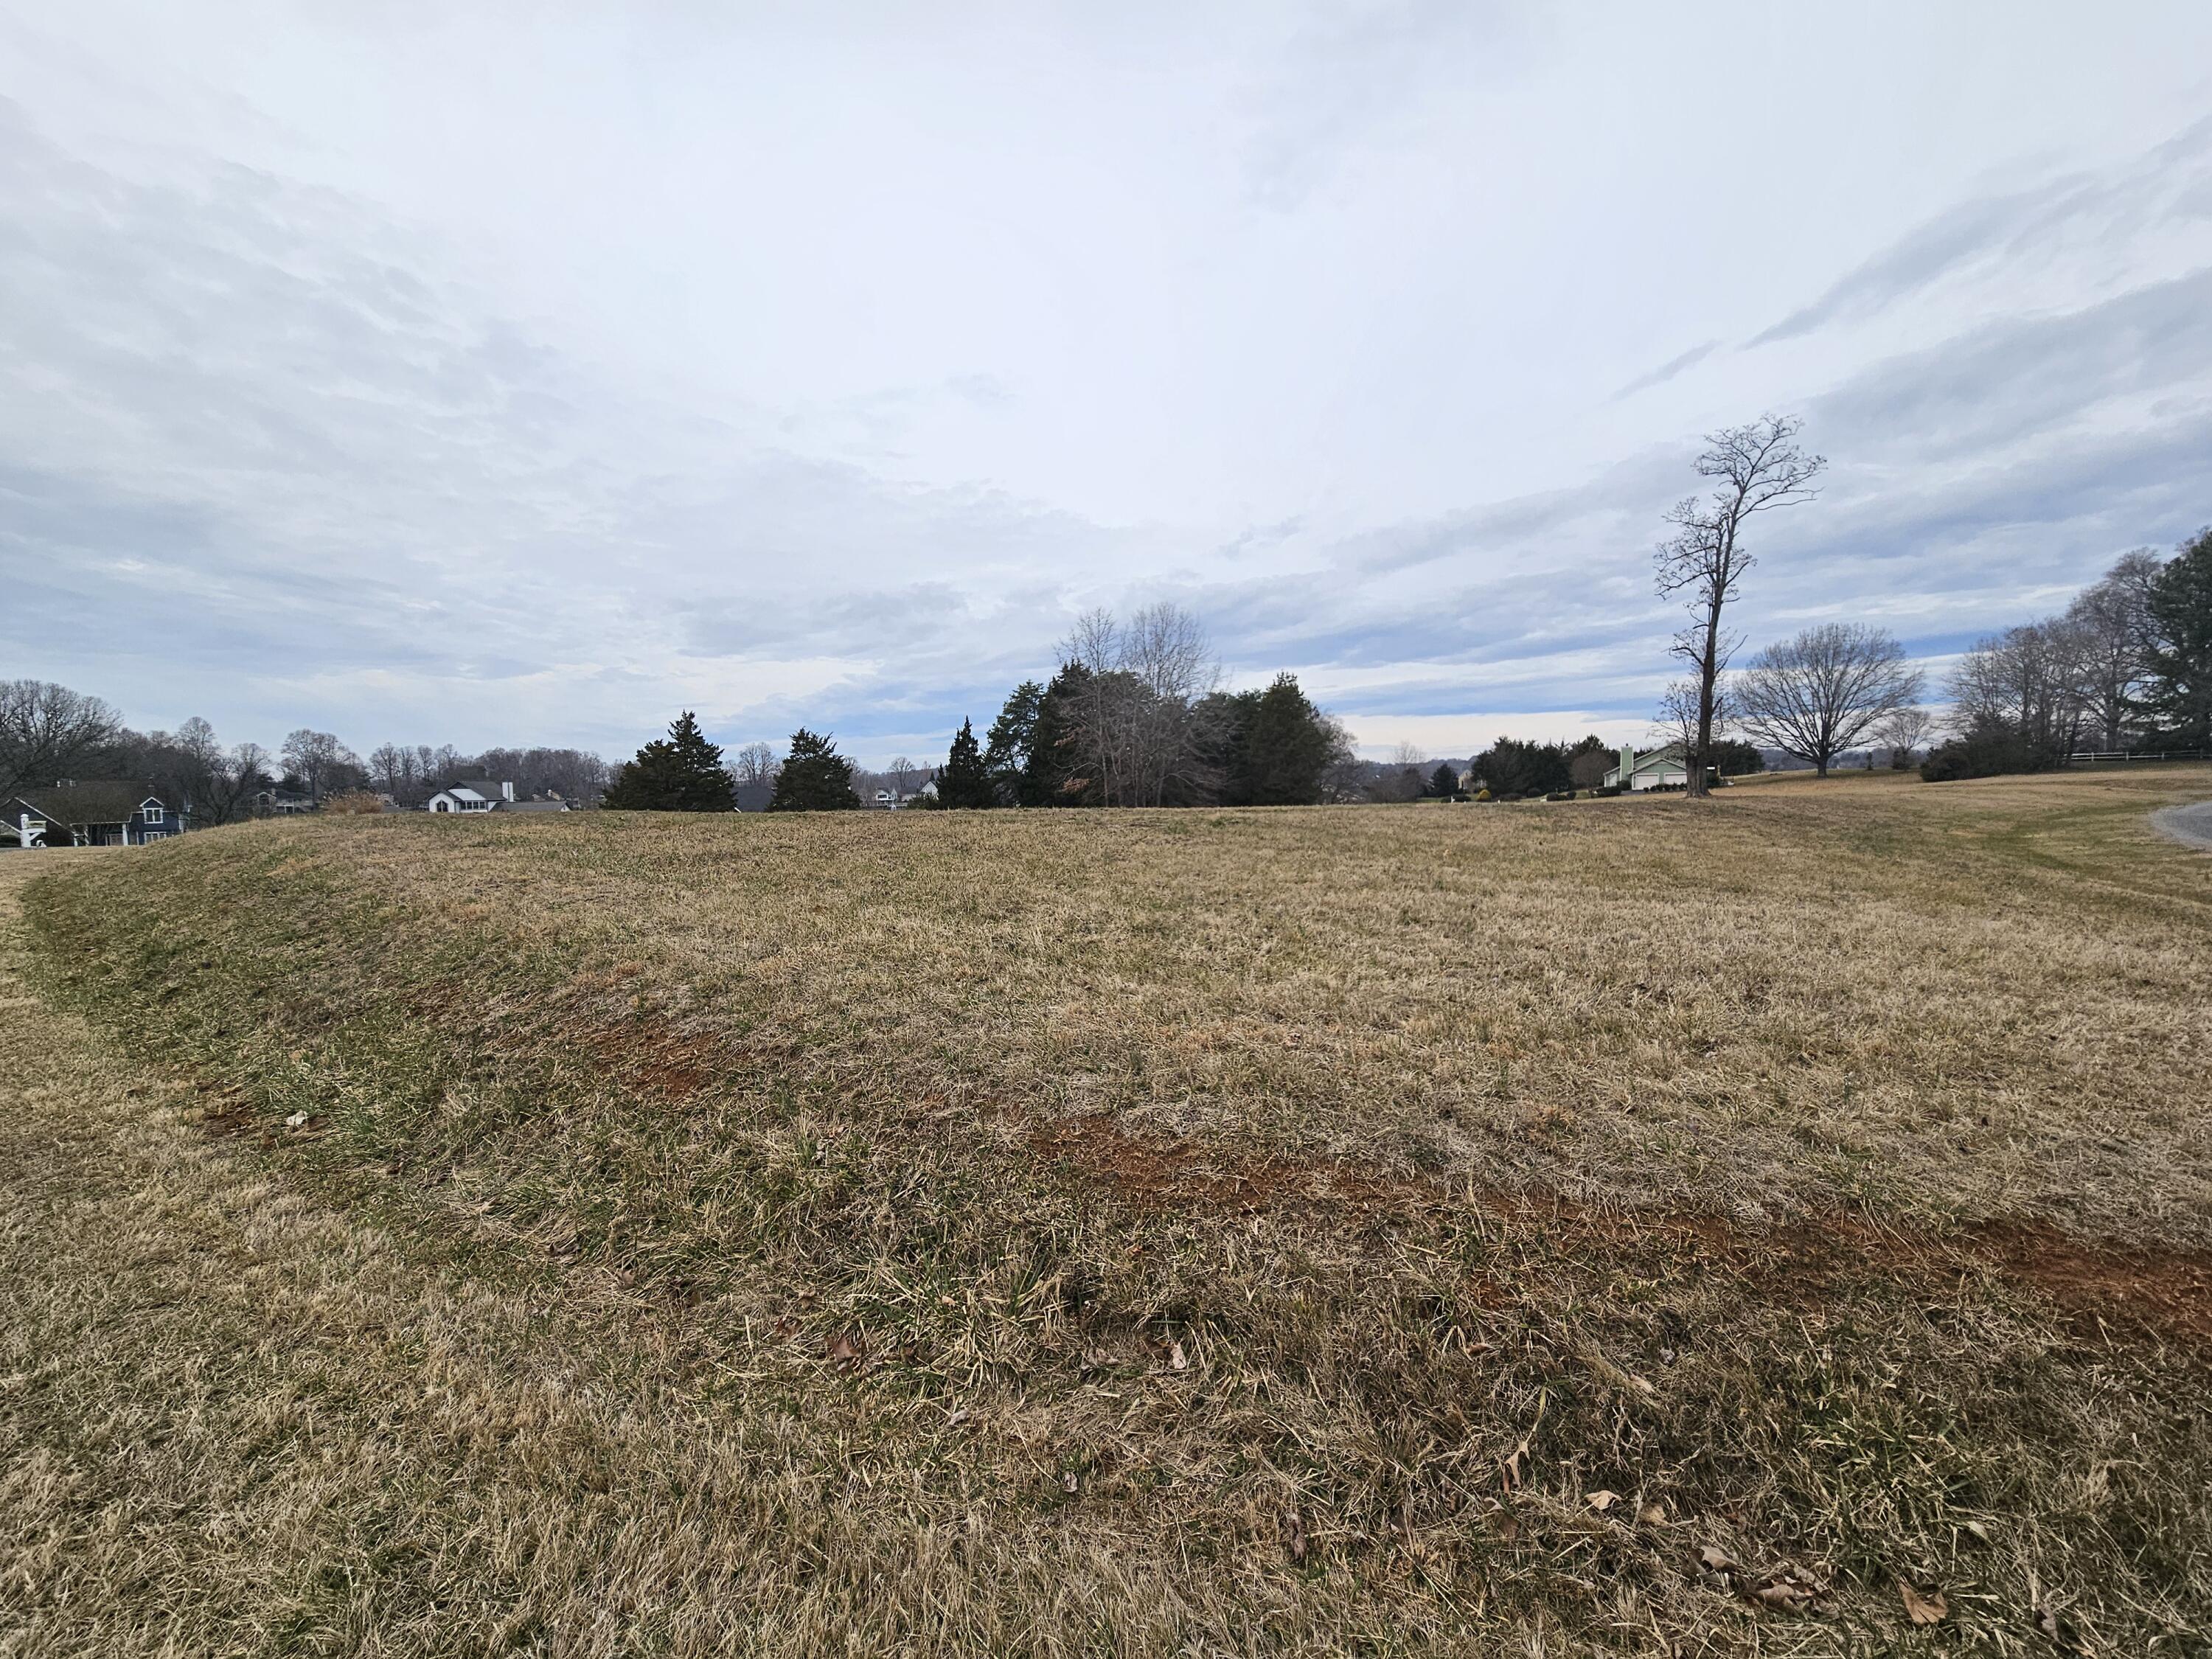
1713 1559
1294 1536
1601 1500
1928 1609
1515 1469
1177 1358
848 1348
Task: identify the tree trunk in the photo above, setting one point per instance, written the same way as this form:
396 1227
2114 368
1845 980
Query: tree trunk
1709 670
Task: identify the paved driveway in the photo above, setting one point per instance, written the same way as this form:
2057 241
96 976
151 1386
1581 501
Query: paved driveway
2192 825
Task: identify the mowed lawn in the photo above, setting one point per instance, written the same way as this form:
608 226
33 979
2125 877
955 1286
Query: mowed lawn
1621 1226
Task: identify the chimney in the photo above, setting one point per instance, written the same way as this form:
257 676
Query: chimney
1627 765
507 789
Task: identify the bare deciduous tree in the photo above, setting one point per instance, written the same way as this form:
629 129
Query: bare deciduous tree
233 780
2025 685
1138 736
317 759
1682 710
47 731
1755 468
1906 730
1343 771
754 763
1817 695
903 774
2113 629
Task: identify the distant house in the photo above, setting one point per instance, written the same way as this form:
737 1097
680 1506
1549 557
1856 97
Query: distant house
1662 768
477 795
276 801
482 795
100 814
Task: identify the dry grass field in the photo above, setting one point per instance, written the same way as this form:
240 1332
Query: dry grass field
1779 1226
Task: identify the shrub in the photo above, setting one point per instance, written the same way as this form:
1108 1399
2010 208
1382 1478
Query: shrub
1984 755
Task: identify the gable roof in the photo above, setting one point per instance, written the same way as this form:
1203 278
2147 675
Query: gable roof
102 801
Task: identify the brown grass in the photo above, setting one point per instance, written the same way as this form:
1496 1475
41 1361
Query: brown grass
1199 1232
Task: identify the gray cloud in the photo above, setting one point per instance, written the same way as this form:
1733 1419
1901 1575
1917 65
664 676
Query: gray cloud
2173 182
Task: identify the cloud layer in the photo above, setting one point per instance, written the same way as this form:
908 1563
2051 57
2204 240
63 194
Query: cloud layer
298 429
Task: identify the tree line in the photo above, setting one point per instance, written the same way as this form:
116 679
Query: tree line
1134 716
50 732
2126 667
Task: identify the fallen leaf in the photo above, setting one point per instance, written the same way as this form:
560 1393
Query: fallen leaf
959 1417
1928 1609
1513 1469
1602 1500
1177 1358
1781 1594
845 1348
295 1120
1653 1514
1294 1535
1713 1559
1068 1482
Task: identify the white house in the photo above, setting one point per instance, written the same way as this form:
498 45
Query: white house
477 795
1662 768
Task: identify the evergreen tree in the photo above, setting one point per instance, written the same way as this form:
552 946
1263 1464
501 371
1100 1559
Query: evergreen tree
815 778
1443 782
2179 695
680 773
1226 718
1013 735
964 782
1051 775
1287 747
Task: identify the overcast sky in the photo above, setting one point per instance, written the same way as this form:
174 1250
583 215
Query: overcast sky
473 374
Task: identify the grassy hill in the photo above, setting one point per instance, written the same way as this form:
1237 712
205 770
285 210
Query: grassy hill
1628 1226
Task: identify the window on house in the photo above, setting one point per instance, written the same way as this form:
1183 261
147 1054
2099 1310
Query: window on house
151 814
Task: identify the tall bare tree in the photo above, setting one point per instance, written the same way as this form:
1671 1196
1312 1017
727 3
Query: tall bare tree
1817 695
47 731
2024 687
2113 629
1755 468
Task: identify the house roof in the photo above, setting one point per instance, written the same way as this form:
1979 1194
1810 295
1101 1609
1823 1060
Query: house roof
102 801
532 806
462 792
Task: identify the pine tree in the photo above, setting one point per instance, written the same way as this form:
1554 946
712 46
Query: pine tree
1286 747
1049 775
680 773
965 782
2179 695
1443 781
1013 734
815 778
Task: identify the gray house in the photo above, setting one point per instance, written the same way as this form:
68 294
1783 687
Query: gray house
99 814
